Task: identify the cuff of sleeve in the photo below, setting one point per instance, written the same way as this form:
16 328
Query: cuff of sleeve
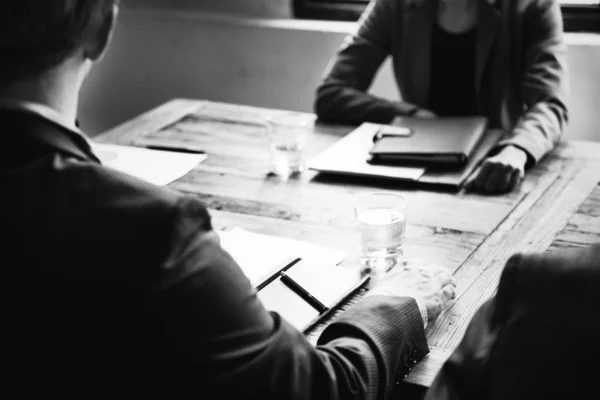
534 152
393 328
423 310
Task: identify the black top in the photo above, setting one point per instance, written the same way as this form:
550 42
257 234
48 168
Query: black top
452 89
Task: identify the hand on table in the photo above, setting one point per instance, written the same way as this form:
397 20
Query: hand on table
433 287
421 113
499 173
425 114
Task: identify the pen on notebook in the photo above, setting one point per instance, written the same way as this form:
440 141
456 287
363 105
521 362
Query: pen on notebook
391 131
173 147
274 274
300 291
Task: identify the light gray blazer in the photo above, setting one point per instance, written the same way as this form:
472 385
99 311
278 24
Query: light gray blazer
520 68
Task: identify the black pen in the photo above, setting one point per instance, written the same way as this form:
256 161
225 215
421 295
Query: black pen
280 268
173 147
300 291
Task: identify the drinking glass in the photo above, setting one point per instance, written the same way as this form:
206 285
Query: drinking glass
288 134
381 221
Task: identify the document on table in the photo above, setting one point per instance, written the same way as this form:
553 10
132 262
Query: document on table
155 166
350 156
260 255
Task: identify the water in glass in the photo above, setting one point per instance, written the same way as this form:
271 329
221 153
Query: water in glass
381 220
287 140
287 159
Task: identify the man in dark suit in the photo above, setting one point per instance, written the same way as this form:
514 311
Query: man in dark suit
536 339
115 287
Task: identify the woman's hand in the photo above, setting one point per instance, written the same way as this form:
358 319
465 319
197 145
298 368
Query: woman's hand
499 173
425 114
420 113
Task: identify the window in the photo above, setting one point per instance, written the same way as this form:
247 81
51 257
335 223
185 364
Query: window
578 15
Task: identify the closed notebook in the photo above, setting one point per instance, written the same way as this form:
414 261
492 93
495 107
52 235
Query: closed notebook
449 140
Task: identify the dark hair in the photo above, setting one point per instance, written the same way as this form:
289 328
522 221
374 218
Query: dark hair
36 35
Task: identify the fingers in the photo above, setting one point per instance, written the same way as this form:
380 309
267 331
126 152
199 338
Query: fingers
500 173
495 178
499 179
515 179
448 293
477 183
426 114
443 278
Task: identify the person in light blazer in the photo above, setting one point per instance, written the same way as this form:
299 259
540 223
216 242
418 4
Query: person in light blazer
501 59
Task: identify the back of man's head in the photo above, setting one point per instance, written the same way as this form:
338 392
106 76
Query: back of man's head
37 35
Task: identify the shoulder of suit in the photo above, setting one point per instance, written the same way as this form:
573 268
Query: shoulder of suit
564 260
92 179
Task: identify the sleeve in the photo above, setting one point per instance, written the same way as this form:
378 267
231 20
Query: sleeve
544 82
220 330
342 96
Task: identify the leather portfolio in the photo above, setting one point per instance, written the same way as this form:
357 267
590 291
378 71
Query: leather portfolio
441 141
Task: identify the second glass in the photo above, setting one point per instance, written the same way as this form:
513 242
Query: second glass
381 220
288 134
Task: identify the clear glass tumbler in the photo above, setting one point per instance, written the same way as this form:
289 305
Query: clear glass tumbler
381 221
288 134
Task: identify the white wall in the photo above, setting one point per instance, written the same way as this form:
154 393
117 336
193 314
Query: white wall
160 54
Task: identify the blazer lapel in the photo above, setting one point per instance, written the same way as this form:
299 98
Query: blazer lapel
487 27
419 27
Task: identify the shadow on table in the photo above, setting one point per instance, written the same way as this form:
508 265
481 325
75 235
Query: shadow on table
381 183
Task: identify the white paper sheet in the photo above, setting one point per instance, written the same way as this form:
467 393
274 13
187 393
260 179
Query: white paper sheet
349 156
154 166
258 255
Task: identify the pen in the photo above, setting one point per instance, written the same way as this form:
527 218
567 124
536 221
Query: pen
280 268
173 147
300 291
392 131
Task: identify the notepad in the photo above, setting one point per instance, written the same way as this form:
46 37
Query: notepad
259 255
350 156
313 286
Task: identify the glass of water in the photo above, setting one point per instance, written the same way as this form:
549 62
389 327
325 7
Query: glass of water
288 134
381 220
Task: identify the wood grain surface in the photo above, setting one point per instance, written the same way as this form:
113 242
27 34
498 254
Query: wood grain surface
556 206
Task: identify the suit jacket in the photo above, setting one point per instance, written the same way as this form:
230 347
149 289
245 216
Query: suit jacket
520 68
115 286
536 339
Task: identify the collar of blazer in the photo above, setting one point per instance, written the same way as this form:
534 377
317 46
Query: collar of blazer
420 18
47 126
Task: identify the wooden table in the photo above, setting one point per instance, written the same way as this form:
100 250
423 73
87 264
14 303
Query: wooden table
557 205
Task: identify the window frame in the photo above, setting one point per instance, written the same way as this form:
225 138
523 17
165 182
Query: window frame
576 18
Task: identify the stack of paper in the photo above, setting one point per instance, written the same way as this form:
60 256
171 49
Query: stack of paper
154 166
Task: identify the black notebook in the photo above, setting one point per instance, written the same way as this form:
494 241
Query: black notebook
442 141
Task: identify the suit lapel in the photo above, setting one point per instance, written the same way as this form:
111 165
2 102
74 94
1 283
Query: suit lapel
419 27
487 27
